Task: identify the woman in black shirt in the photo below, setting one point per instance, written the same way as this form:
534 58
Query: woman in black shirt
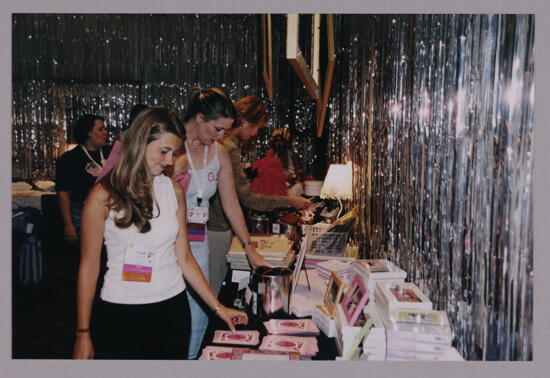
77 170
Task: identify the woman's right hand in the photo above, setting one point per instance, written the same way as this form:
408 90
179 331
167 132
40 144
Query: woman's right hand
70 233
299 202
232 317
83 348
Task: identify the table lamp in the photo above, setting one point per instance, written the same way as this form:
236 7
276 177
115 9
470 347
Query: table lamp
338 184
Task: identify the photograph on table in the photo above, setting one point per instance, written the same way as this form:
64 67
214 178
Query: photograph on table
355 299
333 295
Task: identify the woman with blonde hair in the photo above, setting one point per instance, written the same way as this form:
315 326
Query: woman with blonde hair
143 312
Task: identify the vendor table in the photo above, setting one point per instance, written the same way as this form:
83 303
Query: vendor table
29 198
228 293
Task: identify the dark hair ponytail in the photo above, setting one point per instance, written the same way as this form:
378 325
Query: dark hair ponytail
212 103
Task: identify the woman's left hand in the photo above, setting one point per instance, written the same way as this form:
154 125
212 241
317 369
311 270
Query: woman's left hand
232 317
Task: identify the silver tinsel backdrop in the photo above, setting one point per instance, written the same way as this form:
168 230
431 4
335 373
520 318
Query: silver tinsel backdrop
68 65
450 102
435 111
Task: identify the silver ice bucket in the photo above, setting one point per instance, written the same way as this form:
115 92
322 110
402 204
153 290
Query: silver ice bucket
270 288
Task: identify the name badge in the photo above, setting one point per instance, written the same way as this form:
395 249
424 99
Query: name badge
196 231
198 215
138 263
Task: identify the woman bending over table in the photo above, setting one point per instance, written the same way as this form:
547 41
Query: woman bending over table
143 312
209 113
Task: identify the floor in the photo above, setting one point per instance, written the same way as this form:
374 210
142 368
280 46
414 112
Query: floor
44 313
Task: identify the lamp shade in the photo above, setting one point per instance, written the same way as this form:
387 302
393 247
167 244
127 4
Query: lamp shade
338 182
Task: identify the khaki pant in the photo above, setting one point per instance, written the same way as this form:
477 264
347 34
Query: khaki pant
218 243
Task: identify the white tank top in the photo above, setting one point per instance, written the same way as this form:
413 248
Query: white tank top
166 278
211 171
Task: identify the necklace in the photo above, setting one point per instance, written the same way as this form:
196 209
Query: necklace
99 165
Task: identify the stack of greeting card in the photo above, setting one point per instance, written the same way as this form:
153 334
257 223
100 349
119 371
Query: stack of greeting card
231 339
378 270
306 346
276 249
245 337
417 335
246 354
291 327
216 353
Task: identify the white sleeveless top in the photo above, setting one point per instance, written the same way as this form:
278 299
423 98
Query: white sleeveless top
211 171
166 278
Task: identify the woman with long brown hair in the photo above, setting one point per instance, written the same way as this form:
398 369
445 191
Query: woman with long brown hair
143 312
208 114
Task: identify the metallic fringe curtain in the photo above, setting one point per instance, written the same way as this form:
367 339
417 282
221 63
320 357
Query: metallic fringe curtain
67 65
449 100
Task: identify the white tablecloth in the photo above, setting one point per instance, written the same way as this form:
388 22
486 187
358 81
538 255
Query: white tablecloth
32 198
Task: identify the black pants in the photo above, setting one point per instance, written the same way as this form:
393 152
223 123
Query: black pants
153 331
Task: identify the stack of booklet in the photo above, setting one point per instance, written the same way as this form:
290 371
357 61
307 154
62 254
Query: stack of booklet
245 337
374 343
291 327
245 354
378 270
326 323
325 268
276 249
238 345
305 346
418 335
211 352
231 339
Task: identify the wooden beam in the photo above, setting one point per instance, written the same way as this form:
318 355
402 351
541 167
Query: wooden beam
328 76
315 46
267 54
